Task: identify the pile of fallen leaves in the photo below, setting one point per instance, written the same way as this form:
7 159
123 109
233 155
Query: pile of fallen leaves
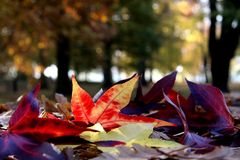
121 123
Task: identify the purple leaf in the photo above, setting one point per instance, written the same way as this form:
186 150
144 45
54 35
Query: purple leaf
24 148
196 141
134 108
165 84
189 138
27 108
150 101
179 111
215 114
167 112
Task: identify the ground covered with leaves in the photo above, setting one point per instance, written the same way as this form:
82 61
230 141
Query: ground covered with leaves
122 123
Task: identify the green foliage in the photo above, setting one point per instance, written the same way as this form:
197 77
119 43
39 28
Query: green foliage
183 42
147 31
138 35
84 56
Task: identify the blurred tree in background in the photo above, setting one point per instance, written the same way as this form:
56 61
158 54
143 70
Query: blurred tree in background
223 39
183 38
58 23
138 33
162 35
143 36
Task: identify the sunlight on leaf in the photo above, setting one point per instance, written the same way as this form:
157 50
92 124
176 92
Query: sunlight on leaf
106 110
131 133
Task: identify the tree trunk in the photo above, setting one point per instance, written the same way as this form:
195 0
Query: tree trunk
205 68
63 60
43 79
141 70
221 50
15 84
107 64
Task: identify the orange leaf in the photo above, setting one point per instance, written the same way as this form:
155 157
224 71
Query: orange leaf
113 100
107 108
82 103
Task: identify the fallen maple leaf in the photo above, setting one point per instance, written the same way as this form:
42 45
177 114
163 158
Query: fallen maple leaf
168 112
189 138
106 110
165 84
150 101
24 148
25 122
205 109
127 135
61 108
215 115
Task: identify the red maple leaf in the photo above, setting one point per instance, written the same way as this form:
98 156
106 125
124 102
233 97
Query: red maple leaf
26 132
106 110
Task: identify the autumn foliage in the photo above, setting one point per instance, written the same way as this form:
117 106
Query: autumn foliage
204 111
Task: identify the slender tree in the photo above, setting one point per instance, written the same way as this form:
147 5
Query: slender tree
222 47
138 33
